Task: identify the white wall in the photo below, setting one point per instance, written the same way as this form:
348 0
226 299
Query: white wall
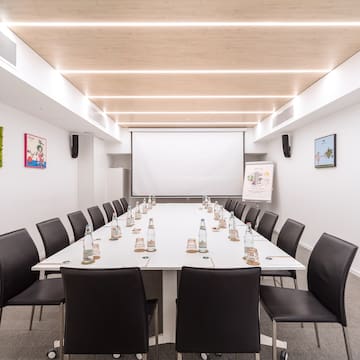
325 200
30 195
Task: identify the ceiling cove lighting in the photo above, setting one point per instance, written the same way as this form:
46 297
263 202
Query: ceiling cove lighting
183 24
170 97
184 112
184 123
193 72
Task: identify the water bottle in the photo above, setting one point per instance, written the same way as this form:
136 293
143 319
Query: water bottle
137 211
153 200
144 207
130 219
115 228
149 203
248 240
88 246
232 226
202 237
151 245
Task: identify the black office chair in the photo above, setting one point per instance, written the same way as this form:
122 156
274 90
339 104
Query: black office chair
118 207
328 270
233 205
112 304
251 216
227 204
239 210
97 217
78 223
288 240
109 210
20 286
55 238
124 204
218 311
267 224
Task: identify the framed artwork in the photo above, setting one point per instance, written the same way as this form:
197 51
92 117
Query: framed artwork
325 151
35 151
1 145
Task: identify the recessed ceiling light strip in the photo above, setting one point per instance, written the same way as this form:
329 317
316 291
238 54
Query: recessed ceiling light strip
184 123
192 72
185 112
170 97
185 24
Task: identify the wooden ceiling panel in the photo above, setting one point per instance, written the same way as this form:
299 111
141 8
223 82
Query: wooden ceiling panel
189 104
179 10
244 84
199 48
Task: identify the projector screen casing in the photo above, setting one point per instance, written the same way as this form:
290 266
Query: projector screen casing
187 163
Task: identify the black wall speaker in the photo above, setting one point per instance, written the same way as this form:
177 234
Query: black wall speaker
286 145
74 146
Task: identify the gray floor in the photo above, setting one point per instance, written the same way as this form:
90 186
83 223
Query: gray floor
18 343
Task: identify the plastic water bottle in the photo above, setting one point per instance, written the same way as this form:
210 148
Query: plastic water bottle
153 200
202 237
149 203
232 226
130 219
137 211
151 244
144 207
88 246
248 240
115 228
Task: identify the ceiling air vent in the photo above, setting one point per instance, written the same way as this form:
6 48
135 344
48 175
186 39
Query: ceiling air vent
283 116
7 49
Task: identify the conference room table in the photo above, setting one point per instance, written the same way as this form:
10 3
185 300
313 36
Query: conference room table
174 225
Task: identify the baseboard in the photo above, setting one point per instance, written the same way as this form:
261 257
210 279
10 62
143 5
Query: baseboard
353 270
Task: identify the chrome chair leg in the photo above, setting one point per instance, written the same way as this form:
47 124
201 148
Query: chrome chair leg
347 343
41 312
257 356
1 312
274 281
274 339
281 282
156 314
31 317
145 356
179 356
61 319
317 334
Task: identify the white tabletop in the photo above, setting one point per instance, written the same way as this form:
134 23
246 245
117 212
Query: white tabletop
174 224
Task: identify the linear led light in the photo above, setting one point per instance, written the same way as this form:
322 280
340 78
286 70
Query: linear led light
165 97
182 24
184 123
192 72
185 112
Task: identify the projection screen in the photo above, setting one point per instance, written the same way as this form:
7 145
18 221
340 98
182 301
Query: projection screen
187 163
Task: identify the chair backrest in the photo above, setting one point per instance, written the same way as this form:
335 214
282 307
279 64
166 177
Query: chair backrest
53 235
105 311
124 204
97 217
251 216
233 205
328 269
289 236
109 210
78 223
239 210
227 204
218 311
267 224
18 254
118 207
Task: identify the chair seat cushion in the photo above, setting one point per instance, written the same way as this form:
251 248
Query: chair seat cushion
41 292
289 305
279 273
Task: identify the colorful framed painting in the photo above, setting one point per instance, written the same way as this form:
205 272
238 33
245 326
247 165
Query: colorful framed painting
325 151
1 146
35 151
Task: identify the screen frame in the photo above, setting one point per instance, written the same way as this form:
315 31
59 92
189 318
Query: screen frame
185 130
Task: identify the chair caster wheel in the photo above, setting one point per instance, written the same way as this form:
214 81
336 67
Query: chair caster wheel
284 355
204 356
116 356
51 354
139 356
